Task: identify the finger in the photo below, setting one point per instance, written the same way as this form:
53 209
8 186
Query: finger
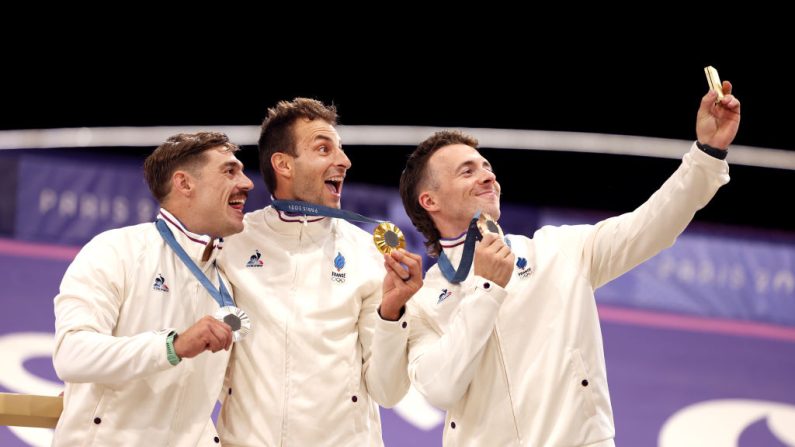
489 238
228 337
395 255
398 268
415 278
413 263
502 243
411 255
409 260
218 334
731 103
396 279
503 251
726 86
490 242
709 99
211 342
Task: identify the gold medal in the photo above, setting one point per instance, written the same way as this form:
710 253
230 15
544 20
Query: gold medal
488 225
236 319
388 238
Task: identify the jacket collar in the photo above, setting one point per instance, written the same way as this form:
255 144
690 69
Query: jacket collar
454 248
290 224
195 245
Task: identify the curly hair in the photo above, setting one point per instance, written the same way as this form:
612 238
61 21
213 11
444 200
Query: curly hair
416 177
276 133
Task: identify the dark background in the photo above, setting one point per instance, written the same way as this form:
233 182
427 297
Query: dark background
651 93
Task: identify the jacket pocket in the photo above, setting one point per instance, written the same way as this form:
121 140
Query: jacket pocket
104 405
582 383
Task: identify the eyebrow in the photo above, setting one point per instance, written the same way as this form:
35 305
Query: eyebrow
232 164
473 163
324 138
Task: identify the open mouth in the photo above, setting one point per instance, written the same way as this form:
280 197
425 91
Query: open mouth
237 204
334 185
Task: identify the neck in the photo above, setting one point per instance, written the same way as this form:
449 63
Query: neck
189 220
451 230
283 193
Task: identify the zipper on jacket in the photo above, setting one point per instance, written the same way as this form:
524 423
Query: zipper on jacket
287 324
507 383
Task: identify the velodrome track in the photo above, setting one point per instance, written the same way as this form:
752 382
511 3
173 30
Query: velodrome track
658 364
700 340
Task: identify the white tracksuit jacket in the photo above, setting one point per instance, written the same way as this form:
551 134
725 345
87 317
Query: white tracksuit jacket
524 365
319 358
123 293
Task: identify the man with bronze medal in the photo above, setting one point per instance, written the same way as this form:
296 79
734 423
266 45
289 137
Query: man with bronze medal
505 334
140 305
328 307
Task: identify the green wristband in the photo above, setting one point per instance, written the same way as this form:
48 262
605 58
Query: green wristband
171 353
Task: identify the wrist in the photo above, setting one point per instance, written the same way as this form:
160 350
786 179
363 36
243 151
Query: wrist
391 315
718 153
171 352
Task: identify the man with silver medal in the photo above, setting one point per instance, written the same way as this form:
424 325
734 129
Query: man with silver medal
134 315
328 306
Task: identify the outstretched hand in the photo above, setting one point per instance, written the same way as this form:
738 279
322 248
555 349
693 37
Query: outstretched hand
717 122
400 283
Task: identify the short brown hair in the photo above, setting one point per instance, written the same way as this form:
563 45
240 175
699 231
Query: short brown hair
415 177
276 133
180 151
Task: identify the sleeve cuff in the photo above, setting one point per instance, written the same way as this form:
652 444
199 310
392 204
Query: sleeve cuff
402 313
400 324
701 158
487 287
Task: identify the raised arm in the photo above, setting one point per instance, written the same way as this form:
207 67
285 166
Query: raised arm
618 244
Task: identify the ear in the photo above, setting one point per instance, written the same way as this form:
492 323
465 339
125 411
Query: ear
182 183
282 164
428 201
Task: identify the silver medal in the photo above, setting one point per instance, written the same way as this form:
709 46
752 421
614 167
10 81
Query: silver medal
236 319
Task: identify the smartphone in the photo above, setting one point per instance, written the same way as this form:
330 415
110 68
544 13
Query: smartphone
714 81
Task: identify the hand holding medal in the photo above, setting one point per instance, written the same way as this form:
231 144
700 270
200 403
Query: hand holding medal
228 312
400 282
480 225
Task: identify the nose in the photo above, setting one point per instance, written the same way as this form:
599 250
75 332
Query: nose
245 183
343 160
487 176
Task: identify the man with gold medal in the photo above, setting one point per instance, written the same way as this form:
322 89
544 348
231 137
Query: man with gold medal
330 336
505 334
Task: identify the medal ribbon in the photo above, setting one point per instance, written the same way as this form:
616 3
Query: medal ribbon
222 296
310 209
452 274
